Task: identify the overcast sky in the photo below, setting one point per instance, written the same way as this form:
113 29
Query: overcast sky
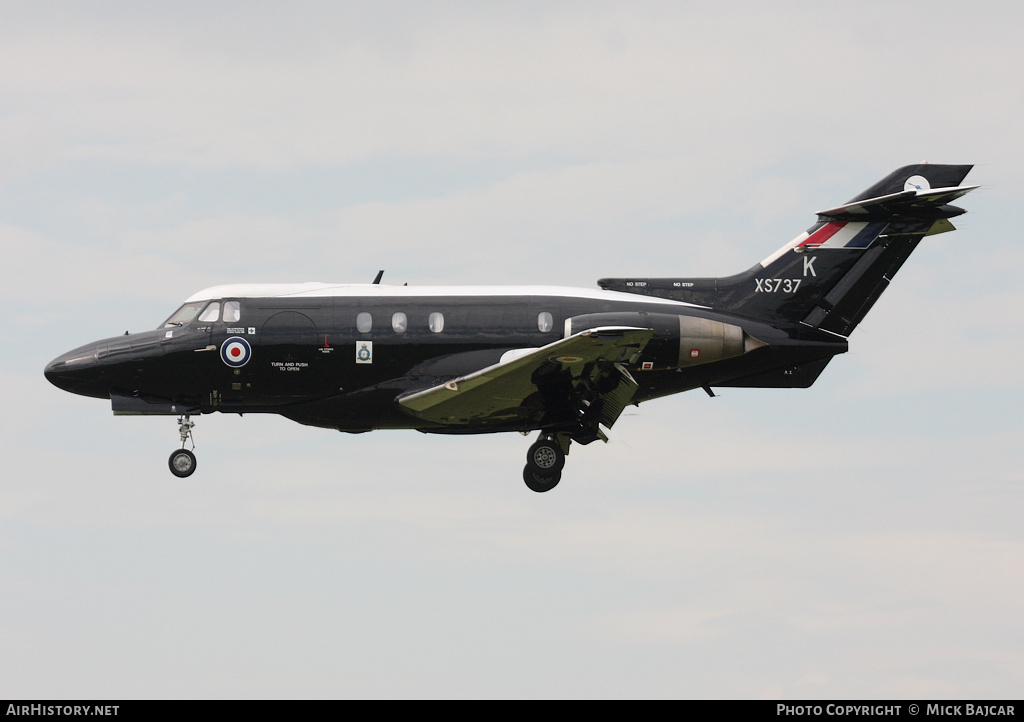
861 538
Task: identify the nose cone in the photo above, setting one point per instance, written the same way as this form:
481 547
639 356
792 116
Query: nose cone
79 372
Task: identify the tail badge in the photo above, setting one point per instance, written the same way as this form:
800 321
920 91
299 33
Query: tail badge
917 183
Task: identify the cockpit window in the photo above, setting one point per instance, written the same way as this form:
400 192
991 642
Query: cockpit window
185 314
210 313
232 312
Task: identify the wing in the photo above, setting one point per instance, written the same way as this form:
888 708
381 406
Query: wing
578 380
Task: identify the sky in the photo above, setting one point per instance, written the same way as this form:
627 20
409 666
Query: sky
858 539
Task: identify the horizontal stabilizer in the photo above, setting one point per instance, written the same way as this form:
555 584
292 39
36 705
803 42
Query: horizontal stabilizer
921 204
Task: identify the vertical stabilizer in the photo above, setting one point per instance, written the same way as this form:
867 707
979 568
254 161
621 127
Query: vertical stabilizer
830 276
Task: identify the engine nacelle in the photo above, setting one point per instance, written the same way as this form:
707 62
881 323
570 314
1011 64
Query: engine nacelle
679 341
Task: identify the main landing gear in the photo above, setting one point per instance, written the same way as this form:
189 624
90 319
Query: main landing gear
544 462
183 461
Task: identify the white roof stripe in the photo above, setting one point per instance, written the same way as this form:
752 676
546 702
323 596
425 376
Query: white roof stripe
368 290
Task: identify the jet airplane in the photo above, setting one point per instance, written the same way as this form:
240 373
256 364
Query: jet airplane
562 362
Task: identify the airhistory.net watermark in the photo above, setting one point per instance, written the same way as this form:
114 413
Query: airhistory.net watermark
62 710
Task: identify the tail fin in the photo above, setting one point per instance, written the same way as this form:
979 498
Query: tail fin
830 276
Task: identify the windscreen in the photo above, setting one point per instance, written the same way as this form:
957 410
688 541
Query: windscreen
185 314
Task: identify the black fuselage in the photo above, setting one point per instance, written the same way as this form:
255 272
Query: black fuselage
303 359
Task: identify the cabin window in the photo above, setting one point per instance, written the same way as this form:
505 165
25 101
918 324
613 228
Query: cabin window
210 313
436 322
364 322
545 322
399 322
232 311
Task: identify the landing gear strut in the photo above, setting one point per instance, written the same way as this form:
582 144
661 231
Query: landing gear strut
183 462
544 462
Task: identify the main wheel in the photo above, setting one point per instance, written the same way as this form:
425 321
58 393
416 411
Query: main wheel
182 463
545 457
541 482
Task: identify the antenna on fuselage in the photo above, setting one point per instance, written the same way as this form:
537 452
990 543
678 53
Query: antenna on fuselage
380 274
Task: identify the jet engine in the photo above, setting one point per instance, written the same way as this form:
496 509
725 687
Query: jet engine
678 342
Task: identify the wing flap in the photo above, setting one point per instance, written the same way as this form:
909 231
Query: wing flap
618 398
513 389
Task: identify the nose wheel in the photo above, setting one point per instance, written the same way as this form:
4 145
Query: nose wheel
544 462
183 462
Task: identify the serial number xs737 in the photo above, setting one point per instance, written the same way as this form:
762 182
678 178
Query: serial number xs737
776 285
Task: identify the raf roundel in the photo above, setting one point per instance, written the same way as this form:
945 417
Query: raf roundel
235 352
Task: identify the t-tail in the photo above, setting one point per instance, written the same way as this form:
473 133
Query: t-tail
830 276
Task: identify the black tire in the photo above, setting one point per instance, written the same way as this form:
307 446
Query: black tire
182 463
540 482
545 458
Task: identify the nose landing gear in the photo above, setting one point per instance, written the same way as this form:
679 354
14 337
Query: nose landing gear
544 462
183 462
